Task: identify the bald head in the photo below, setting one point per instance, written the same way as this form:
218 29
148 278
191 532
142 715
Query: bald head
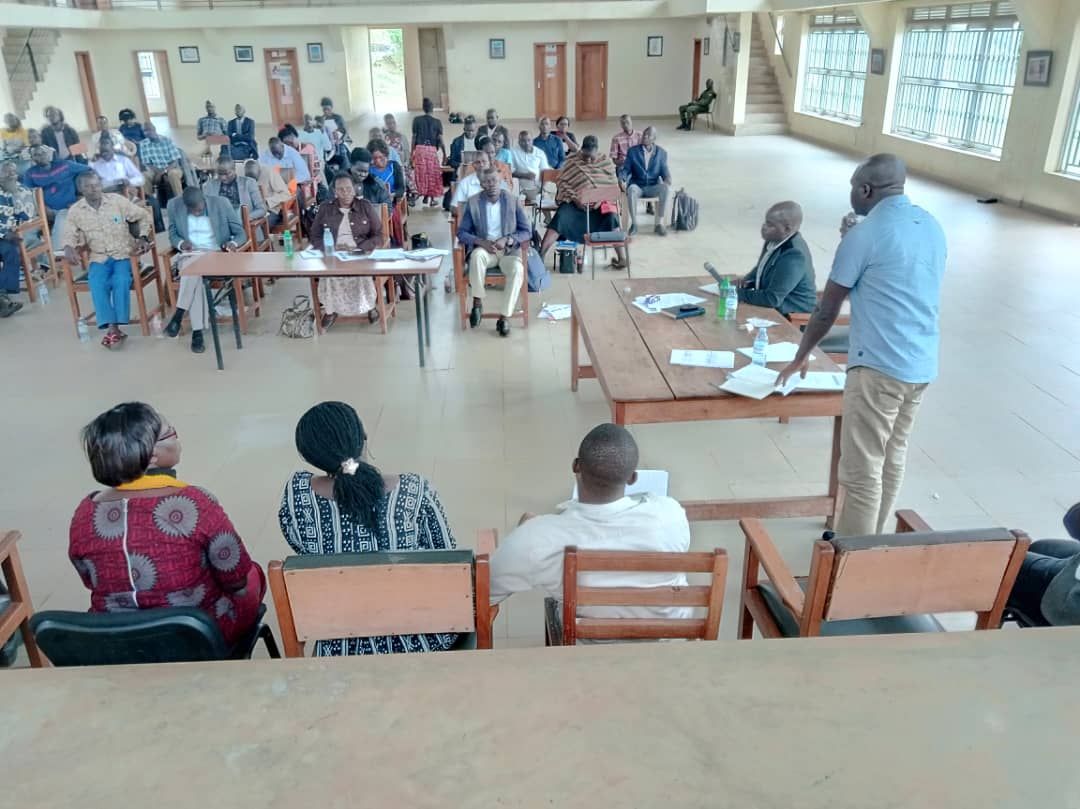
876 178
781 220
606 464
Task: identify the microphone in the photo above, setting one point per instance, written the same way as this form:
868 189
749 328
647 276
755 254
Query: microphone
711 270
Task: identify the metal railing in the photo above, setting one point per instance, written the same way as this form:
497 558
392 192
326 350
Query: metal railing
25 58
835 78
780 44
1070 159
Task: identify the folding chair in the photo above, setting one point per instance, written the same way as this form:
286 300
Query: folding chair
609 239
493 278
15 616
707 114
32 247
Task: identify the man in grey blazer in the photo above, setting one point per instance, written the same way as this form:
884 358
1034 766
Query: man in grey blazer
199 224
237 189
783 278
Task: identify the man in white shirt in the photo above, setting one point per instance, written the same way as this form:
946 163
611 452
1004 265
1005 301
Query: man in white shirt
280 155
119 142
316 136
118 174
469 186
602 518
528 162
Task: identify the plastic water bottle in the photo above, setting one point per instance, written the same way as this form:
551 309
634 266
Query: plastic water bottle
732 301
43 293
83 330
721 300
761 346
288 244
327 242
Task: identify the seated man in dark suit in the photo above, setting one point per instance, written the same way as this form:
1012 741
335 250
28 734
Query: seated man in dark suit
241 132
784 276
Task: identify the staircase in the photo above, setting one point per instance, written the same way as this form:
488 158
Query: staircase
27 52
764 104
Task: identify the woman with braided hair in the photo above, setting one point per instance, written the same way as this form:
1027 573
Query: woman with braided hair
353 508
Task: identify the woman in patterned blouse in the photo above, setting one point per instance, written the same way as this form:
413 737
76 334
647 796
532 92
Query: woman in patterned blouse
150 540
353 508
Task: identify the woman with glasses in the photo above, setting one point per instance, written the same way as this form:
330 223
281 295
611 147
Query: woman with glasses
150 540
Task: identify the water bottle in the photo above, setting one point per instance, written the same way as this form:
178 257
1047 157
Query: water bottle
288 244
43 293
761 346
327 242
721 300
83 330
732 302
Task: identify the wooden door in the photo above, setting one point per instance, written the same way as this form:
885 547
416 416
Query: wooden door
697 69
283 86
549 71
591 81
89 88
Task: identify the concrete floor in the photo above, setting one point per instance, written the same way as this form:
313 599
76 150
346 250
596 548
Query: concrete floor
493 424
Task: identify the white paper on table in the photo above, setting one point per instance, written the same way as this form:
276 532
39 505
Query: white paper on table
555 311
341 255
667 300
776 352
822 381
387 254
311 252
702 359
712 289
756 382
426 253
651 481
760 323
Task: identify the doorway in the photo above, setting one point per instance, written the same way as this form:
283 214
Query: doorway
155 86
591 81
387 52
696 76
89 88
283 85
549 70
433 83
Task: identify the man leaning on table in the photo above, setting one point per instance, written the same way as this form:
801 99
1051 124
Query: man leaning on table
891 264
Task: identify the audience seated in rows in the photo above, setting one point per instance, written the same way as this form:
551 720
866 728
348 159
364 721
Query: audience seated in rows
120 144
241 132
16 207
783 278
151 540
492 230
239 190
56 179
550 144
59 135
427 133
351 507
161 161
198 224
603 517
355 224
645 173
209 124
99 222
272 188
528 162
130 128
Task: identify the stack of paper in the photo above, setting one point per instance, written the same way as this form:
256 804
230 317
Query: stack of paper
653 304
776 352
702 359
341 255
387 254
756 382
311 252
555 311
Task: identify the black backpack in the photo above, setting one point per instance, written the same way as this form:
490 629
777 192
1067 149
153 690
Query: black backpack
684 211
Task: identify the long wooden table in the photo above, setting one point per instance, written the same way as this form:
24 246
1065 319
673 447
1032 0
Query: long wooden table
213 266
906 722
630 354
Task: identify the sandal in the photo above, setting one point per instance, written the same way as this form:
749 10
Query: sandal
112 340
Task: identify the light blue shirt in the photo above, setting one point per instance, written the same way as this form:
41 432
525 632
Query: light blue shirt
291 159
893 263
316 138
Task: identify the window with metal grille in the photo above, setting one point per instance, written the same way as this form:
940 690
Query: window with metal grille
957 72
837 50
1070 160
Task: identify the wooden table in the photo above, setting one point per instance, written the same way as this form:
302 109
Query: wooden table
213 266
630 352
906 722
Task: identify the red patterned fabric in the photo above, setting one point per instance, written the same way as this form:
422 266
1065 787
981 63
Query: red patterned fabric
177 550
428 172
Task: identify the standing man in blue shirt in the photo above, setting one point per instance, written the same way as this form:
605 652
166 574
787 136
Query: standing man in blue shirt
550 144
891 264
645 173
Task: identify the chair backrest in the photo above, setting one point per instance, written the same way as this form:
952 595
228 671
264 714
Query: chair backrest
217 140
913 574
165 635
384 215
710 596
550 175
365 594
602 193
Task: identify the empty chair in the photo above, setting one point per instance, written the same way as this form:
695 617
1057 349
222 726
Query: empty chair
15 605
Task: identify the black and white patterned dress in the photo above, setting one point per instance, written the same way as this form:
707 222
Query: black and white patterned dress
411 518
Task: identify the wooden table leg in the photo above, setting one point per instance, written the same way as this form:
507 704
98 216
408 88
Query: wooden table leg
834 464
575 368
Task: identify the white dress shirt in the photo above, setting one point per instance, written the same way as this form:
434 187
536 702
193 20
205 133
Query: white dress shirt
201 233
470 187
119 168
494 220
535 161
531 556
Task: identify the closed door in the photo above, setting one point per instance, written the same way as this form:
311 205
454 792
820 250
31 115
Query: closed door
591 81
549 70
696 77
89 88
283 85
433 83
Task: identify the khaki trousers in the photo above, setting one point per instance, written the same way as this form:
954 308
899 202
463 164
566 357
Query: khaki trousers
192 297
879 412
174 176
480 261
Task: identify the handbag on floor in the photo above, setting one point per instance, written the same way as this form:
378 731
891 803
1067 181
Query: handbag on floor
537 272
298 321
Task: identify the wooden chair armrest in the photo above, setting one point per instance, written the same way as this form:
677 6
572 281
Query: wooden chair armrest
487 540
773 563
31 224
909 522
7 542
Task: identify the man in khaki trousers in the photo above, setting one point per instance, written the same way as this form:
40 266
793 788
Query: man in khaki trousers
891 265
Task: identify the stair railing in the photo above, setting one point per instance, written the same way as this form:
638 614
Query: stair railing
780 44
25 53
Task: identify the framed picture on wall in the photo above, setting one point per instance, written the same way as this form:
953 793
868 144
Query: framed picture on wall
1037 68
655 46
243 53
314 52
877 61
705 46
496 49
189 53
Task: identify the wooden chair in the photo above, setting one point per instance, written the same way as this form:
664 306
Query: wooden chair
290 220
15 617
545 205
494 278
367 594
141 277
595 196
38 227
570 628
879 584
251 228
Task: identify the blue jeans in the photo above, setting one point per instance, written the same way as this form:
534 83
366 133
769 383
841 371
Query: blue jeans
10 266
110 287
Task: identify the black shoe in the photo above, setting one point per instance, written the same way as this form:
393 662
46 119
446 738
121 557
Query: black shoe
502 327
476 315
197 345
660 230
828 536
8 307
173 327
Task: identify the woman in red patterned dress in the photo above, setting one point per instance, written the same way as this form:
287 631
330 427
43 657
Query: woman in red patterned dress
150 540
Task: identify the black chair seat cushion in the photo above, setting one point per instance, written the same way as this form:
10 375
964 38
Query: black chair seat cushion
893 625
836 341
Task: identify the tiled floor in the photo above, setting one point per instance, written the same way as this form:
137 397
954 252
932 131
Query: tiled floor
493 422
